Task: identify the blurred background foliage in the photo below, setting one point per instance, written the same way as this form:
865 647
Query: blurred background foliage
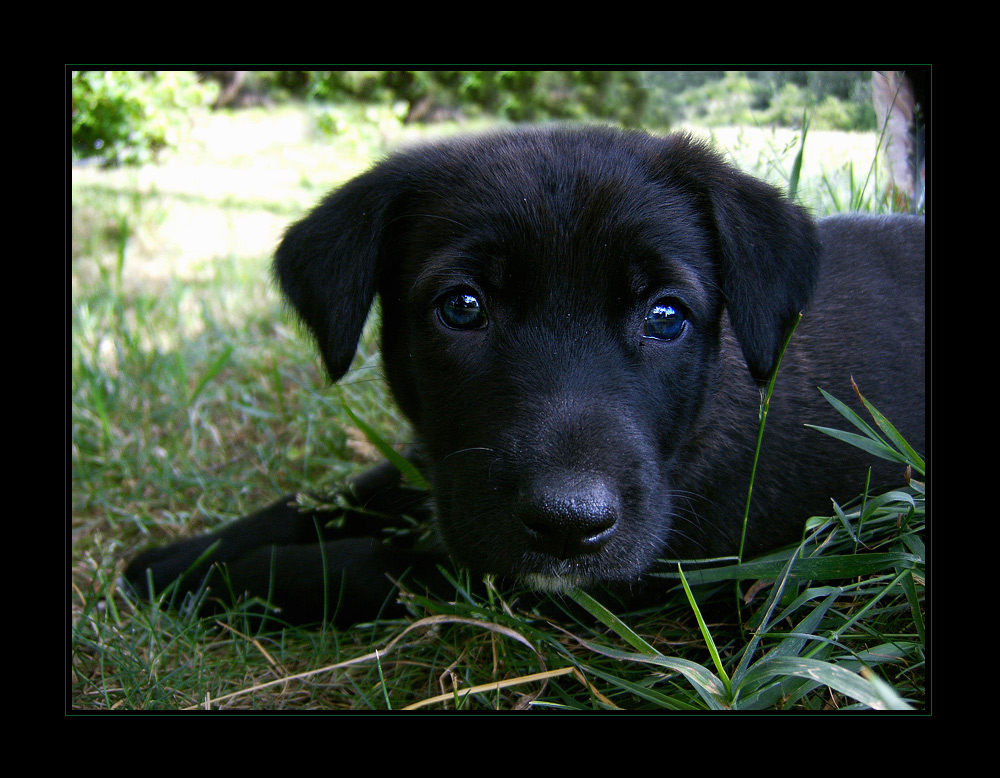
127 117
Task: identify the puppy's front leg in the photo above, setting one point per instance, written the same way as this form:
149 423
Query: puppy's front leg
342 581
309 564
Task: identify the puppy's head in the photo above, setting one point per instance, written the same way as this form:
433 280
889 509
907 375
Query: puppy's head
554 324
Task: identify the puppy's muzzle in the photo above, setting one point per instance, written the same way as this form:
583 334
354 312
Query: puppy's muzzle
569 514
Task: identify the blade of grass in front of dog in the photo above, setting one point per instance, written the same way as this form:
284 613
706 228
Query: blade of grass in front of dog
770 676
891 432
708 686
796 640
401 463
666 701
709 641
897 501
810 568
849 414
381 680
873 447
774 598
909 587
611 621
764 407
833 676
171 591
858 615
871 441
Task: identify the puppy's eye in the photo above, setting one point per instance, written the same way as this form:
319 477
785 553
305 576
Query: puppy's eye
461 311
664 322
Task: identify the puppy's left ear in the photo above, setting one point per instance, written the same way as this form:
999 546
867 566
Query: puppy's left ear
330 262
769 255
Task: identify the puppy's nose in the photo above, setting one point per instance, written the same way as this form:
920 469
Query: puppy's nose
567 514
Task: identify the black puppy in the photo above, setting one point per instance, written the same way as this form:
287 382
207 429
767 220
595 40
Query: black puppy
579 324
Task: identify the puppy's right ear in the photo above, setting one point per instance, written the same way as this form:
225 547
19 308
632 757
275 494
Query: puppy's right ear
329 266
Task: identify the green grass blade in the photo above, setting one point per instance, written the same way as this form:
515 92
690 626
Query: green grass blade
878 696
810 568
872 442
873 447
848 413
212 372
913 600
764 407
796 174
611 621
401 463
706 633
912 457
710 688
658 698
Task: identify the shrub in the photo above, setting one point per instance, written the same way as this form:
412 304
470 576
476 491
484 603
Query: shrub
126 117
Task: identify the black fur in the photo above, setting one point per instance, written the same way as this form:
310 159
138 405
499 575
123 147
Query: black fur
567 441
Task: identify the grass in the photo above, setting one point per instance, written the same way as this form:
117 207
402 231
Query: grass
195 398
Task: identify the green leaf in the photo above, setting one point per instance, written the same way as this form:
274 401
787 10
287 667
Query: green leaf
812 568
401 463
709 641
873 693
643 692
872 441
611 621
848 413
874 447
796 174
711 689
211 373
892 433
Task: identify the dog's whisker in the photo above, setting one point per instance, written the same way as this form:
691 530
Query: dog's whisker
466 451
433 216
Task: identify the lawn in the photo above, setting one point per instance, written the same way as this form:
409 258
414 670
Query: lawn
196 397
